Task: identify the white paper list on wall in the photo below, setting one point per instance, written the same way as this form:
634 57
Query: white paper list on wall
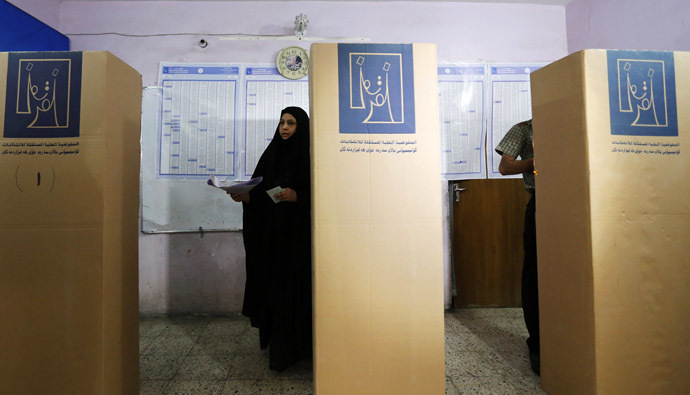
205 119
219 118
478 103
266 94
198 112
177 203
461 107
511 102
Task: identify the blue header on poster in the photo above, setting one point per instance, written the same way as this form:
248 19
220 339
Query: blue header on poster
201 70
376 88
642 93
262 71
513 70
460 70
43 95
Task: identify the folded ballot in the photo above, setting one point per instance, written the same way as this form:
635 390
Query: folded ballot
234 186
272 193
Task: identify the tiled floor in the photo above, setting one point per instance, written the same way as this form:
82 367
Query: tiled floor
485 354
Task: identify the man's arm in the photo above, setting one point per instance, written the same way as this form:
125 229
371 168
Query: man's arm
509 165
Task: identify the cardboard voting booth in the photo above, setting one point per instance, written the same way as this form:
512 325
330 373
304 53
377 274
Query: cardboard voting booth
377 228
69 204
612 151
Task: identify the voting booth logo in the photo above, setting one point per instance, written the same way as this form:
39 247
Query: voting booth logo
642 93
376 88
43 95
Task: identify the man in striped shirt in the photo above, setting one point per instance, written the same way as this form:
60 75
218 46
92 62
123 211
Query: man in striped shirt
517 143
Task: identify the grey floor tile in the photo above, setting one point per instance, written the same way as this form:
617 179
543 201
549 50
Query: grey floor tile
454 325
251 336
152 387
251 366
483 386
144 342
195 387
225 326
467 363
219 345
204 367
516 361
248 343
513 326
450 387
505 341
525 383
485 354
169 345
500 321
297 387
252 387
186 326
301 370
158 367
152 326
481 325
500 312
465 341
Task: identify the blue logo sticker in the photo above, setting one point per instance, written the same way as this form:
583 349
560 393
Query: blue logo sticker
43 95
376 88
642 93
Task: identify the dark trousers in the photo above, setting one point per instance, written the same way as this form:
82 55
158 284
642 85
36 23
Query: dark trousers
530 288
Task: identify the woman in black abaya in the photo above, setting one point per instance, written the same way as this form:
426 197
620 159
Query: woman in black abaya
277 242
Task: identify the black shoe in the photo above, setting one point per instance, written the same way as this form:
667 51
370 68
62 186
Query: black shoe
535 363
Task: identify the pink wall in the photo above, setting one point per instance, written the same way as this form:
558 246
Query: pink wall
629 24
462 31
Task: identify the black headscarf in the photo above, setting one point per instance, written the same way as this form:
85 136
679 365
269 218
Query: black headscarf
285 163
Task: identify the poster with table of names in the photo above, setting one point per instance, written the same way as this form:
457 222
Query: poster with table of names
213 118
198 120
266 94
219 118
461 107
510 103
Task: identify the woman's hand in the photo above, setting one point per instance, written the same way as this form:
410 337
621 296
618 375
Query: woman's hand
239 197
286 195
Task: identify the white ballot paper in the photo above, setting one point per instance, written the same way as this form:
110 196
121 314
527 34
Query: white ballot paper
233 186
272 193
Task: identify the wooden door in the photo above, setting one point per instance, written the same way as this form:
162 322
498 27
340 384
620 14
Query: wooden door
488 219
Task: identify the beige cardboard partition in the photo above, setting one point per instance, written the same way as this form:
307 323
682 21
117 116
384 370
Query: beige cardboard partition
69 198
377 230
612 150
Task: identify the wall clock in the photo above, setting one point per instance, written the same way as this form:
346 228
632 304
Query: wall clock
293 62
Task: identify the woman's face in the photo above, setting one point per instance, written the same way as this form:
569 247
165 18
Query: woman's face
287 126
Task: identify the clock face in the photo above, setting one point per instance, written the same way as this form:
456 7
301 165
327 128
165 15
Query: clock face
293 62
